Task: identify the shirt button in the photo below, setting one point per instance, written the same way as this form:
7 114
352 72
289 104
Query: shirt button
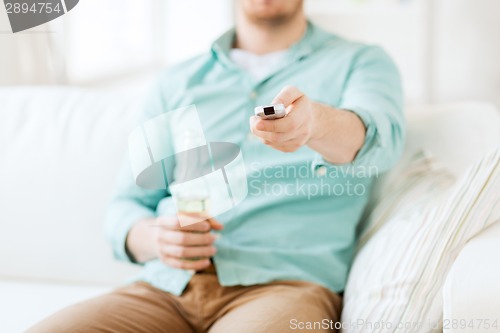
321 171
253 95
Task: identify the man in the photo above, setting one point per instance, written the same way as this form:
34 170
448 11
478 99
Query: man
279 261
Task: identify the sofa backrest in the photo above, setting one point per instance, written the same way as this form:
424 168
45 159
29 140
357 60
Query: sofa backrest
60 150
454 135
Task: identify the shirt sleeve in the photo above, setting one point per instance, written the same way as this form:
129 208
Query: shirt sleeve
373 91
131 203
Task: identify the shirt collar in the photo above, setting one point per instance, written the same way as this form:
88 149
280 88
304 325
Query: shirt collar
313 39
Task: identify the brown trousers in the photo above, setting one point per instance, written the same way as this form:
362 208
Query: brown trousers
205 306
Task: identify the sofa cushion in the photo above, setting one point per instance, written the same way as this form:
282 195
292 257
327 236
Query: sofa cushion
26 303
471 293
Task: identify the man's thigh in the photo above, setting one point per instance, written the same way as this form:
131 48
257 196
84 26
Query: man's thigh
281 307
135 308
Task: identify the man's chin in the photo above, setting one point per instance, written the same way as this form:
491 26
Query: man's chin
273 20
272 12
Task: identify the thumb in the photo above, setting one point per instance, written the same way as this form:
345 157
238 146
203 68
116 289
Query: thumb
288 95
216 225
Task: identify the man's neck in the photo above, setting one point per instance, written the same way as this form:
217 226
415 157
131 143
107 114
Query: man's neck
266 38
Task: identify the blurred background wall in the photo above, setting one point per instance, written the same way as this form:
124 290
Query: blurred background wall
447 50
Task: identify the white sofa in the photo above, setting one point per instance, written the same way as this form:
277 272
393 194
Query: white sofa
60 149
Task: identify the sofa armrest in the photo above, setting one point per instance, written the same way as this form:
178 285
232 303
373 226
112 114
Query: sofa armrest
471 293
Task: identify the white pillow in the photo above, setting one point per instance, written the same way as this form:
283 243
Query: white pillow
398 274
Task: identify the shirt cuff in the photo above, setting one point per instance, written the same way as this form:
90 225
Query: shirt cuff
117 232
372 139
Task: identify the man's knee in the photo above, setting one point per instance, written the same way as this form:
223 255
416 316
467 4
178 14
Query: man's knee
132 309
94 314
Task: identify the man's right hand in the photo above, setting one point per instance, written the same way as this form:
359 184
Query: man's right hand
187 247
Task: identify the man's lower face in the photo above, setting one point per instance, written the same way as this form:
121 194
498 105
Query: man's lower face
271 10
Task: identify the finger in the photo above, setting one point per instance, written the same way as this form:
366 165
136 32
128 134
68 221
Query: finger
168 222
274 137
284 125
186 238
203 226
253 121
187 219
288 95
188 252
186 264
286 147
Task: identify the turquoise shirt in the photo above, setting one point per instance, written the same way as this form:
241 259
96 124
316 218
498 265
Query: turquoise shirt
299 219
